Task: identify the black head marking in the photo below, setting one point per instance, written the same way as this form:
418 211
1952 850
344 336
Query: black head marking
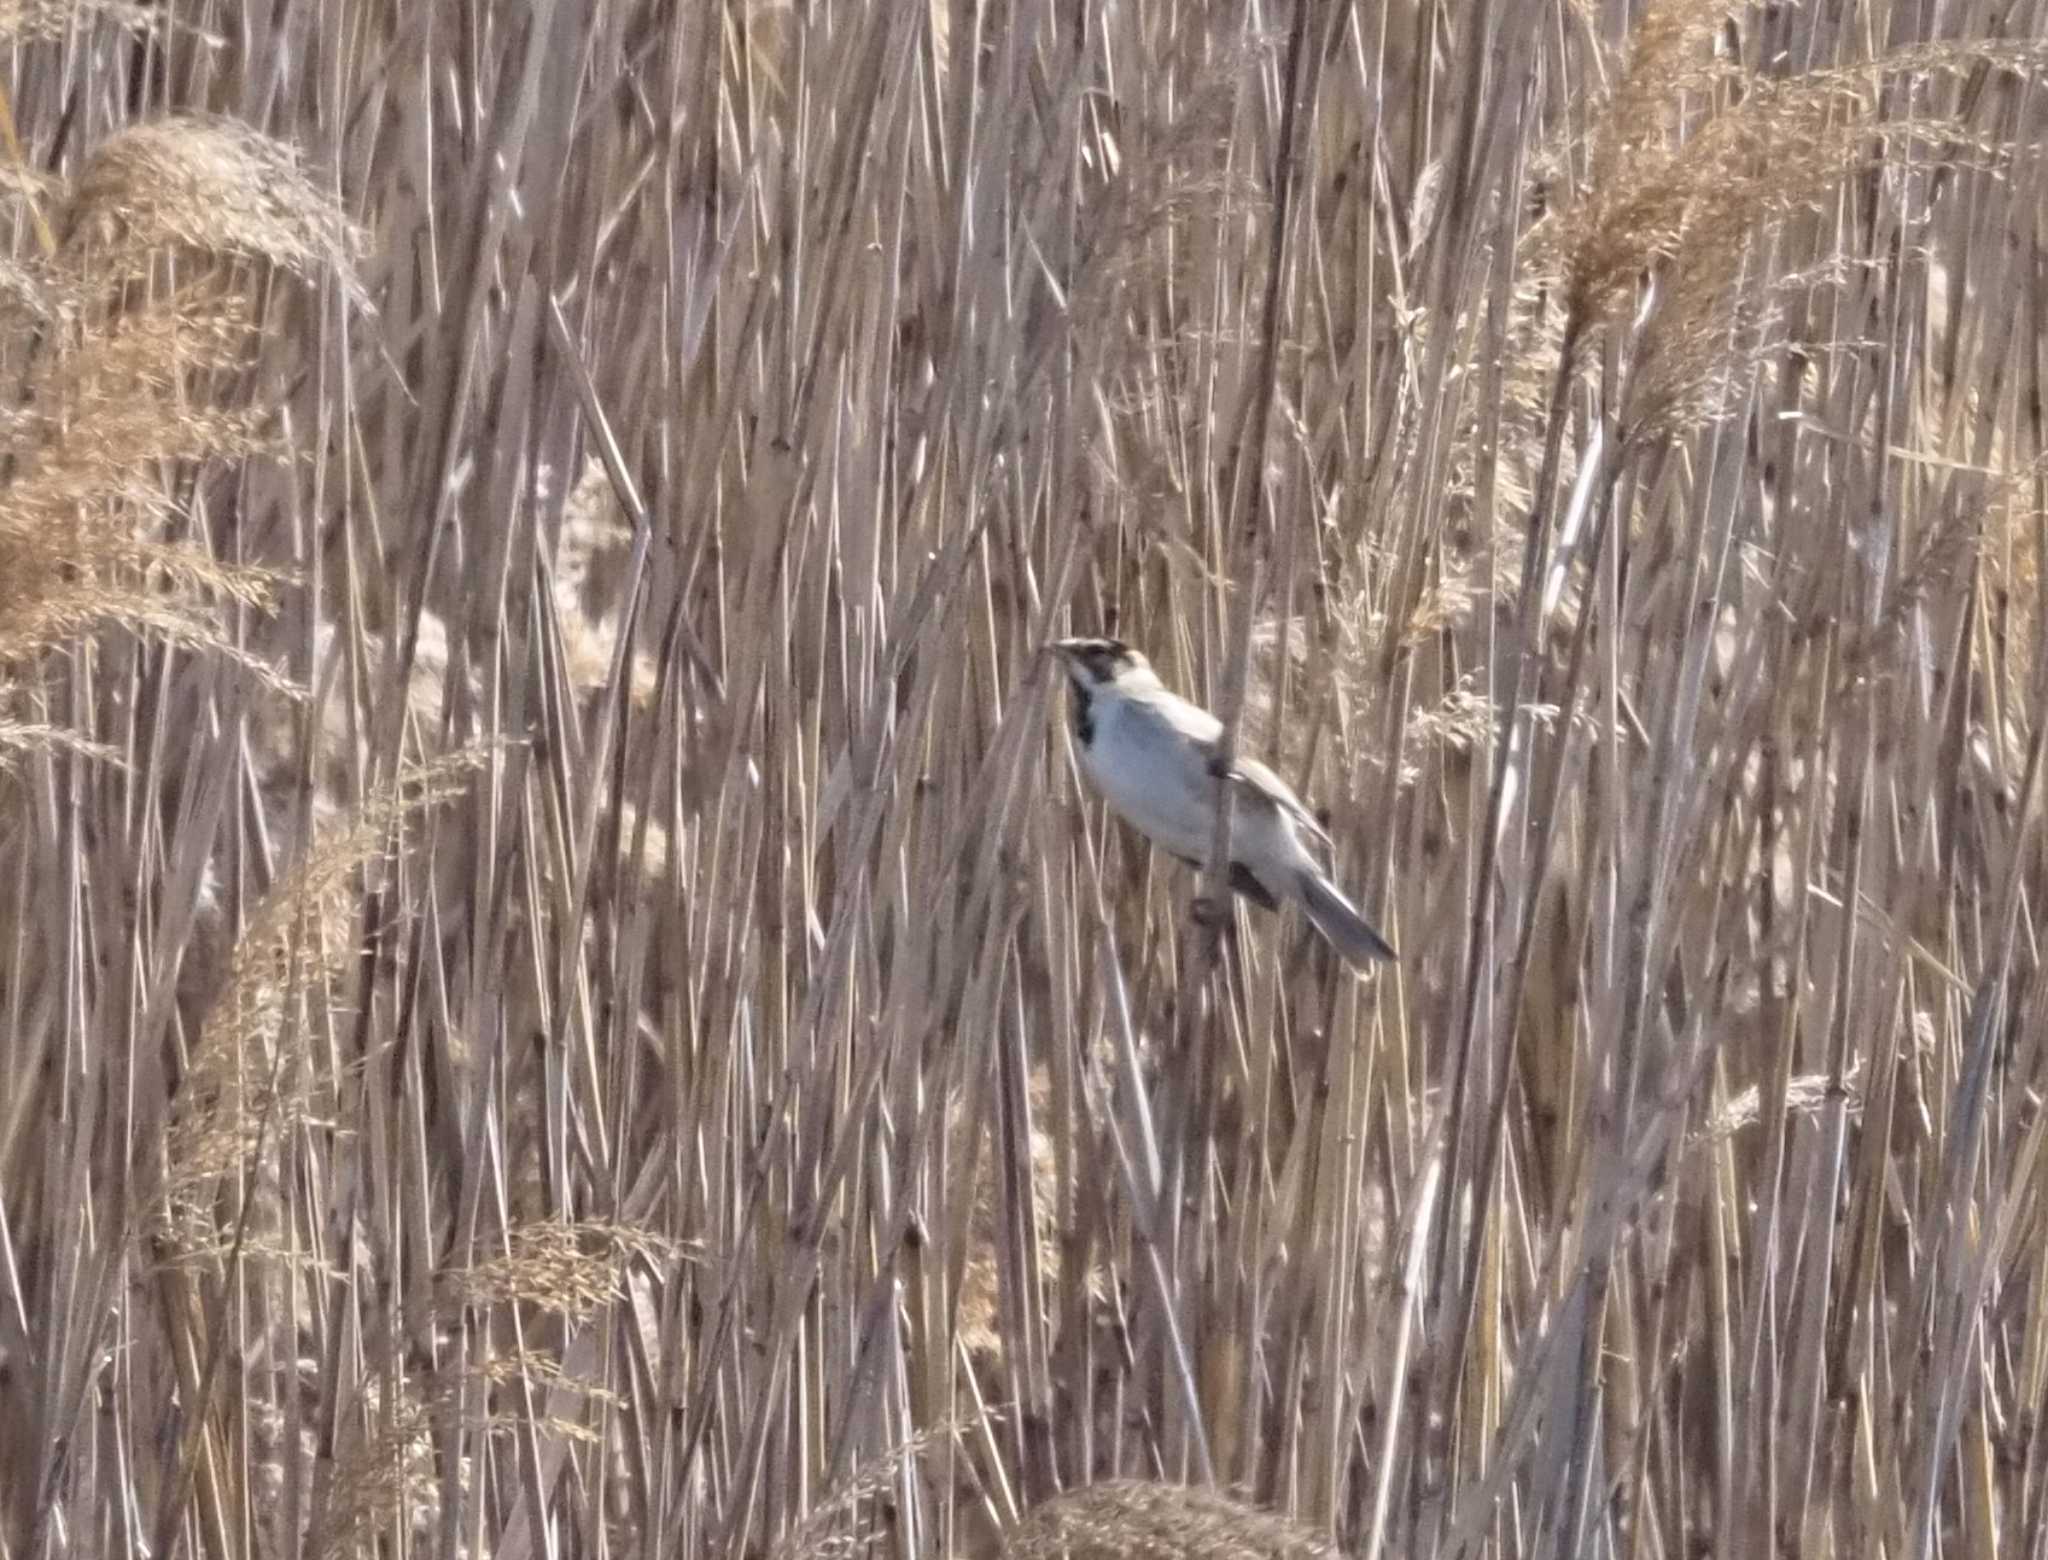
1091 665
1082 713
1101 658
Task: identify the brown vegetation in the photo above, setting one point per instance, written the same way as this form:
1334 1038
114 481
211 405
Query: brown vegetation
559 993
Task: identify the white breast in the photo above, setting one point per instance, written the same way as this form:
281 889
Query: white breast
1150 761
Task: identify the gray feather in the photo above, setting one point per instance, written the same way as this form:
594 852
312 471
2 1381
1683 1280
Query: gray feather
1339 921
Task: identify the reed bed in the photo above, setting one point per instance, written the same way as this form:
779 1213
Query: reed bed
561 996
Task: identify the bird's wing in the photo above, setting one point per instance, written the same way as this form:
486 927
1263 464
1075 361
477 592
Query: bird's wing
1255 780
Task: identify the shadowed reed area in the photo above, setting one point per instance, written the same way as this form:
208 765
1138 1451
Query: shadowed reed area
560 993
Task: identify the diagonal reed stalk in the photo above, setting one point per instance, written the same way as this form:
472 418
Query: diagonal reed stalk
763 1106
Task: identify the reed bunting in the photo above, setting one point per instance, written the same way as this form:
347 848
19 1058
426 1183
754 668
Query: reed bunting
1149 751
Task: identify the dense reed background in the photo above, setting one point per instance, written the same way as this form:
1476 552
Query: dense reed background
560 996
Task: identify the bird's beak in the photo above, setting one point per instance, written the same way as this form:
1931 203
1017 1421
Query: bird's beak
1061 650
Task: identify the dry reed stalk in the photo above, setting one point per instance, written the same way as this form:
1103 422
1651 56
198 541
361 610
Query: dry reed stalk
757 1114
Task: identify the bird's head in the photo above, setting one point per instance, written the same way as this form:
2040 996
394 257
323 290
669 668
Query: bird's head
1097 663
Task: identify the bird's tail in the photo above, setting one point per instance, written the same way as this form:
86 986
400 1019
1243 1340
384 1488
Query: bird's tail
1339 921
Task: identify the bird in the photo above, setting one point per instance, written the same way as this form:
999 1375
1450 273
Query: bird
1151 754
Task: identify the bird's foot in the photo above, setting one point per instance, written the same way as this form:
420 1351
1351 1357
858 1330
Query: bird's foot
1210 914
